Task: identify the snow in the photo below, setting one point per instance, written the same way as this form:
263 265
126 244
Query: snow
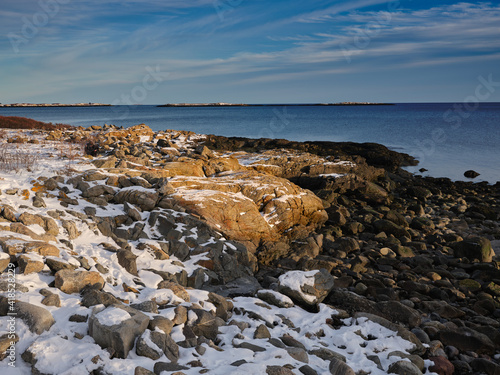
334 175
112 316
55 355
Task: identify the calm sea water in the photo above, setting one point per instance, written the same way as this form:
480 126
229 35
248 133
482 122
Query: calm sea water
447 138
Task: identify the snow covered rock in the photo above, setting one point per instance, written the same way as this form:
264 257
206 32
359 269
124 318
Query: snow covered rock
117 327
307 288
47 357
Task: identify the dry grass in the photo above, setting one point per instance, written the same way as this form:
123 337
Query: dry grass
15 159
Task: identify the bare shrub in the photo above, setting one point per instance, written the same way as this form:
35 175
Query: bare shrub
14 159
15 122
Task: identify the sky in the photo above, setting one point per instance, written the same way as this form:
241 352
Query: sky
247 51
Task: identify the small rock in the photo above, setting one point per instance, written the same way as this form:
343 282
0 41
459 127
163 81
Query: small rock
38 202
275 298
127 260
404 368
471 174
250 346
298 354
162 323
142 371
52 300
168 367
441 366
278 370
337 367
261 332
474 248
307 370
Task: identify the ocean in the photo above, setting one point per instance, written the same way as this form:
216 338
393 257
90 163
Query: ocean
446 138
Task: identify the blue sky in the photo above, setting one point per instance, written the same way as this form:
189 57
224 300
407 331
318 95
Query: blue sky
251 51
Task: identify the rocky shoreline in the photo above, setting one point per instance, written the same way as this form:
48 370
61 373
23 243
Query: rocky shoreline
174 252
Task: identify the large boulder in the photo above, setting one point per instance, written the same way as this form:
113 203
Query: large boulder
478 248
249 205
70 281
117 327
145 199
467 339
36 318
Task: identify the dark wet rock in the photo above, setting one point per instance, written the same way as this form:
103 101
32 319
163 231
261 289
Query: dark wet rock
389 227
467 339
471 174
307 370
482 365
399 313
478 248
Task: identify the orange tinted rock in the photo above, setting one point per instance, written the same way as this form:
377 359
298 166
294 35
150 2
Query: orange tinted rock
70 281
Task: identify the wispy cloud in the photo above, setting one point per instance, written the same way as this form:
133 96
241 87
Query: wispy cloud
106 44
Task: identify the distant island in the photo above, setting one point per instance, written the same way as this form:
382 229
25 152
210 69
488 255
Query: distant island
266 105
55 105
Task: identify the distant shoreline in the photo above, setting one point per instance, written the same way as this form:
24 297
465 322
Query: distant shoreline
268 105
17 105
